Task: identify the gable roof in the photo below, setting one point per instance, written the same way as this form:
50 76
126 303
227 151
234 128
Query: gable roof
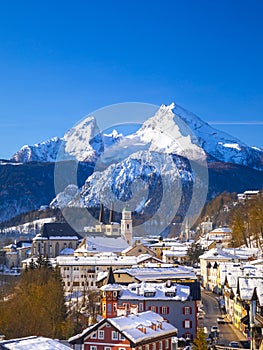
33 342
130 327
62 230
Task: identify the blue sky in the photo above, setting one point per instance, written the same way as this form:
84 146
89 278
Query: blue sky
61 60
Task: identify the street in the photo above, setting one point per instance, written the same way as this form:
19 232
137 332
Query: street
227 333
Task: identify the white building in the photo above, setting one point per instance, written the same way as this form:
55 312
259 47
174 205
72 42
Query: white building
80 273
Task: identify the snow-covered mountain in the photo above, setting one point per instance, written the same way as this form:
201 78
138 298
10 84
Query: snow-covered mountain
159 171
171 130
82 143
44 152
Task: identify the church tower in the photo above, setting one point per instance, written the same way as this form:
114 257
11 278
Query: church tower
126 226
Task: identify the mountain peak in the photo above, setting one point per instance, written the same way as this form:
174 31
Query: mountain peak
172 130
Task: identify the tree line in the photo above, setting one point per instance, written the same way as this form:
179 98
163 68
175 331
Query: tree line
246 221
35 305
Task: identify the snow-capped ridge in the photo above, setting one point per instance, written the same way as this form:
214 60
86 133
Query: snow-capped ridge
172 130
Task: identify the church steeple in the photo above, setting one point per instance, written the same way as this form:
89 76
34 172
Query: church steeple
126 226
110 278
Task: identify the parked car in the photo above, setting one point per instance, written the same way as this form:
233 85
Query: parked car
220 319
234 344
214 329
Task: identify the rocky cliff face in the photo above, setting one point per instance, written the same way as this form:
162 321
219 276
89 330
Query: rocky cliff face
171 158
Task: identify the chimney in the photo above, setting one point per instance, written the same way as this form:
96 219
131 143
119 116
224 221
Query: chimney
134 309
121 311
154 327
142 328
138 290
168 283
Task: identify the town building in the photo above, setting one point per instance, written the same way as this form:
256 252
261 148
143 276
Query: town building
53 239
137 249
80 273
249 194
95 243
135 331
171 301
220 234
13 254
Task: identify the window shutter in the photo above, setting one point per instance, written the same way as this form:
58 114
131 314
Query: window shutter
184 310
191 324
183 324
190 310
168 310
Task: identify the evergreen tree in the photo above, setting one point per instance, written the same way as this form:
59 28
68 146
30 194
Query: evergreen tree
193 253
200 342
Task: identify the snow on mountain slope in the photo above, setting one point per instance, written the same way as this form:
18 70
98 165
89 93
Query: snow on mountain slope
155 185
171 130
83 142
45 151
219 144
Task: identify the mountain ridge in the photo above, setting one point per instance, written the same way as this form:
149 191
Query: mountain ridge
168 149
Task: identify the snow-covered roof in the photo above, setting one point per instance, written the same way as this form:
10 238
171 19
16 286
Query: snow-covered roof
67 251
221 230
175 253
164 272
103 244
217 254
246 288
161 291
99 260
112 287
131 327
244 253
33 343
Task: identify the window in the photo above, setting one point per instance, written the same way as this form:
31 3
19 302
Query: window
101 335
188 336
166 343
153 346
104 307
126 305
187 324
107 348
94 335
92 347
153 308
140 306
109 308
160 345
187 310
164 310
121 337
147 347
114 335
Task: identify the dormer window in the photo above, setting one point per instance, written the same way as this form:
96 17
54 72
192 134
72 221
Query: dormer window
170 294
149 294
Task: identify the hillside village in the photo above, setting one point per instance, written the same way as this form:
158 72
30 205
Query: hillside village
144 292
